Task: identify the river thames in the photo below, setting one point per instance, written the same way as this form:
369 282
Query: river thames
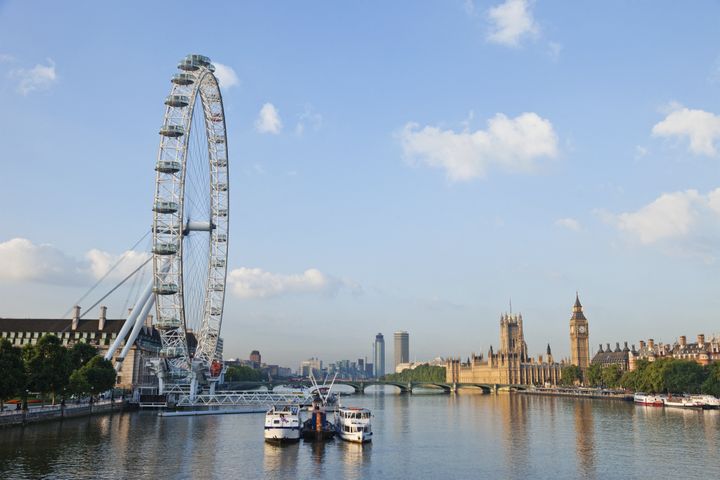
416 436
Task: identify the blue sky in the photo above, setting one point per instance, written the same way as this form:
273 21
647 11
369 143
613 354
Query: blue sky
394 165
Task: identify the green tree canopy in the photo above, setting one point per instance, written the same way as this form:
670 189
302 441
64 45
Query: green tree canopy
611 376
12 371
81 353
683 376
570 374
594 375
96 376
48 364
421 373
711 385
242 373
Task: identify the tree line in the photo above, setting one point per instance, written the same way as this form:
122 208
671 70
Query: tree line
421 373
242 373
665 375
53 370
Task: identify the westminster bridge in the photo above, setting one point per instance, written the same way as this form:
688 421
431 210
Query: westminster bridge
359 386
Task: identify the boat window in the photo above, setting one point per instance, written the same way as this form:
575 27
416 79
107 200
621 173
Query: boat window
276 422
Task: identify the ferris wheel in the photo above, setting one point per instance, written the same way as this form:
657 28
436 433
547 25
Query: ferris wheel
190 222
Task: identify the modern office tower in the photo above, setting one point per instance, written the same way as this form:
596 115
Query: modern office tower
379 355
402 348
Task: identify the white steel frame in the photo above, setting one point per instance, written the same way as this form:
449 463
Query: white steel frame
169 230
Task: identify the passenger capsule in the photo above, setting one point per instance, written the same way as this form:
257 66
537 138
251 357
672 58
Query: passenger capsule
220 162
172 131
221 187
221 237
183 79
166 207
165 249
167 166
222 212
167 323
171 352
177 101
165 289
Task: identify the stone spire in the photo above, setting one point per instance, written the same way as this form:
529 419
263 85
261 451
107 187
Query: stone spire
578 309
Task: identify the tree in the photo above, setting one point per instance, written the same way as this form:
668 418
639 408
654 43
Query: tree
594 375
711 385
683 376
81 353
96 376
611 376
48 365
421 373
12 371
570 374
241 373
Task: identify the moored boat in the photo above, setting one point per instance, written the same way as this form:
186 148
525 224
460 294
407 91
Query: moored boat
353 424
649 400
682 402
282 424
708 402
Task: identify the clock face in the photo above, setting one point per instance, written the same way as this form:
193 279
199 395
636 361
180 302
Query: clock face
581 329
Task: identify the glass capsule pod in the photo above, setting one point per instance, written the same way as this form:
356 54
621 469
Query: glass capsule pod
183 79
172 131
165 249
177 101
165 289
166 207
167 166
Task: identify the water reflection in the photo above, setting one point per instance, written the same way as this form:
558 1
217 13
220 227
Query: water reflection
280 458
354 456
584 437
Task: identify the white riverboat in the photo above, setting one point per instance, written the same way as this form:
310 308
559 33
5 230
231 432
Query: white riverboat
282 424
650 400
707 401
682 402
353 424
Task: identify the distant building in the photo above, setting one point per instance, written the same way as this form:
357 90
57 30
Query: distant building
100 333
620 357
702 351
311 365
379 355
402 348
510 365
255 357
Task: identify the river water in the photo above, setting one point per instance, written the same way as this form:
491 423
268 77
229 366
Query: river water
416 436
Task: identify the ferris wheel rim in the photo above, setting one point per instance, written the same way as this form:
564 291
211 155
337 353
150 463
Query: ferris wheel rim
196 81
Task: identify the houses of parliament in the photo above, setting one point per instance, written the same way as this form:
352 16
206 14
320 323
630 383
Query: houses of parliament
511 364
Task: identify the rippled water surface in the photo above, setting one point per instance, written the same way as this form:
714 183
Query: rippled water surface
416 436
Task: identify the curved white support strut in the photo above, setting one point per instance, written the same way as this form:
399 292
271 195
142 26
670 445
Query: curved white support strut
132 318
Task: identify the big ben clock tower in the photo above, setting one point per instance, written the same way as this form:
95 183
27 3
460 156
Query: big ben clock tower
579 336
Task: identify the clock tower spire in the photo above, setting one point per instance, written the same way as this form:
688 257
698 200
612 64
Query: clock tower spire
579 336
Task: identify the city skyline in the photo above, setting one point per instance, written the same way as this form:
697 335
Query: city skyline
575 151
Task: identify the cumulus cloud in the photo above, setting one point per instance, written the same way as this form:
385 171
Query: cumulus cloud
268 120
310 118
38 78
226 76
569 223
257 283
101 262
512 144
6 58
511 22
686 222
701 128
23 260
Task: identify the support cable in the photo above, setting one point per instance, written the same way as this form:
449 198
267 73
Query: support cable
85 295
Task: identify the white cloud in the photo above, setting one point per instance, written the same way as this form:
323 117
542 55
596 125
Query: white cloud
700 127
308 117
640 151
100 263
226 76
6 58
569 223
511 22
268 120
38 78
23 260
512 144
257 283
686 222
